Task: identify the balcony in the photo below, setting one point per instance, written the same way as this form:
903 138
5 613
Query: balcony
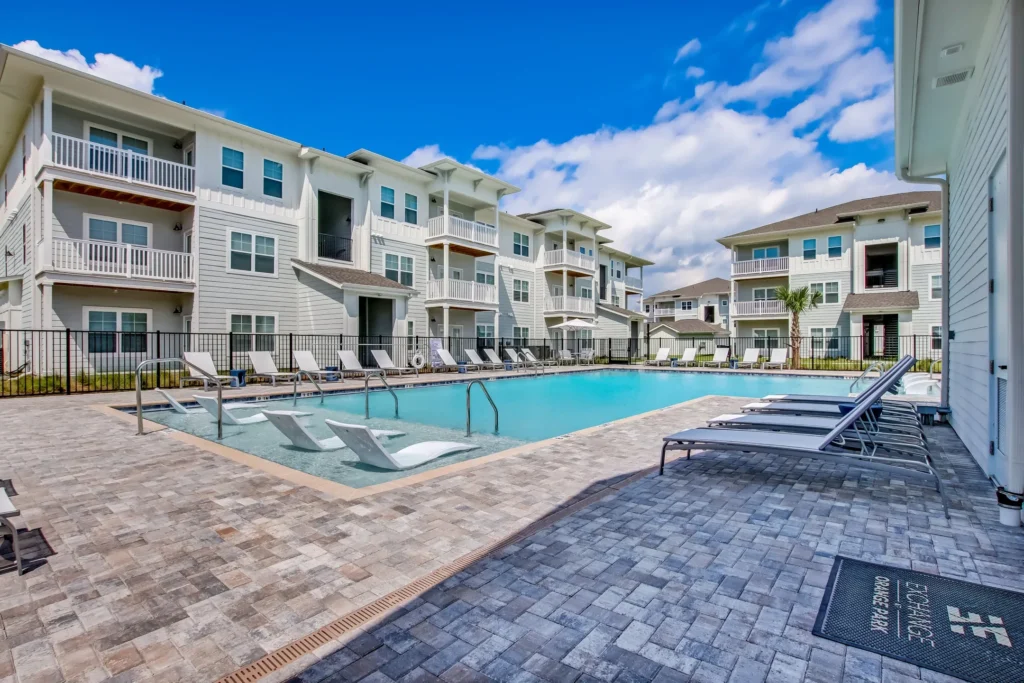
122 164
574 262
118 260
769 307
334 247
634 283
761 266
568 305
469 237
464 293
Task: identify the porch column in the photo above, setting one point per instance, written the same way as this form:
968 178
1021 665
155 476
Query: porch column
446 175
444 275
444 329
46 232
46 144
565 253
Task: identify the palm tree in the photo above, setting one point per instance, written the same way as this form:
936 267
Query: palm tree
796 301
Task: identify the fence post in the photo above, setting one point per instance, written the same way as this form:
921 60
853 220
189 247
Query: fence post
291 351
158 355
67 361
231 351
609 350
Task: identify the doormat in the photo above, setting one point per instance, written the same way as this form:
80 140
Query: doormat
954 627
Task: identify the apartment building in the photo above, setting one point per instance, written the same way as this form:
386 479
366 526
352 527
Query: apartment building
877 264
706 302
126 212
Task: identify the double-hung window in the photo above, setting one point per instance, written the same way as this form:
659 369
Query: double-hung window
411 208
253 331
831 292
936 338
767 338
273 179
835 246
936 287
932 236
520 290
521 335
484 278
232 167
765 252
520 244
117 330
764 294
587 292
810 249
387 202
252 253
484 331
825 337
398 268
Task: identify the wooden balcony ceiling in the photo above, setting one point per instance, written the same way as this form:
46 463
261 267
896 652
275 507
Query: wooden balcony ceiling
118 195
462 248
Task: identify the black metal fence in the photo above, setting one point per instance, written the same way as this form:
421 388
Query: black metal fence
38 362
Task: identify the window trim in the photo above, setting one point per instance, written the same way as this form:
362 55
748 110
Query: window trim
381 203
86 125
252 314
931 329
828 243
804 249
924 237
773 290
120 227
266 178
766 337
118 332
520 337
824 291
384 266
251 273
931 287
825 338
220 180
520 291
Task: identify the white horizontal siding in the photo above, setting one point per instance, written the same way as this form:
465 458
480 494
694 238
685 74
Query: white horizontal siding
321 307
415 311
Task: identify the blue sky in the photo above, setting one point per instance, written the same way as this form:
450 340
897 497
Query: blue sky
676 122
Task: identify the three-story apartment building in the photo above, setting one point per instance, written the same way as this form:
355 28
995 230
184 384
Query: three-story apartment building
706 301
125 212
875 262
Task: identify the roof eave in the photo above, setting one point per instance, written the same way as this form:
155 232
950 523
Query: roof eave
351 286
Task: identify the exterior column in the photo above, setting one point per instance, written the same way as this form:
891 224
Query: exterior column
46 144
1015 249
444 275
565 273
46 227
447 175
444 330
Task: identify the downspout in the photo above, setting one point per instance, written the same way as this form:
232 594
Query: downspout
944 202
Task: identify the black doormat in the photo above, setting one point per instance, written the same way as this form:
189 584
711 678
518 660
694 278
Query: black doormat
946 625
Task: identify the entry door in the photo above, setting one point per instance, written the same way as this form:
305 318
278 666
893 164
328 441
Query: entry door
999 311
709 314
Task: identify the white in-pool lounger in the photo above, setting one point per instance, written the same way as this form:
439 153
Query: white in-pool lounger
369 450
661 357
178 408
288 424
384 362
263 365
209 403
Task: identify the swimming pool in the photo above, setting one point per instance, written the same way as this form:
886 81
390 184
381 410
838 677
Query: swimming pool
532 408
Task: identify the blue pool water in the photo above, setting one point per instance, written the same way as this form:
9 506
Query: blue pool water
531 408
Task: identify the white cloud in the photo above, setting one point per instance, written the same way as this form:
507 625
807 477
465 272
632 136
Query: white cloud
421 156
694 72
104 65
864 120
703 170
692 47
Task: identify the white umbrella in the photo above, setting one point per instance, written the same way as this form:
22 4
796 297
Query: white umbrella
574 324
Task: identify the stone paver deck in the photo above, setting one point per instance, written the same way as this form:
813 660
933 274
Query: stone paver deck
174 564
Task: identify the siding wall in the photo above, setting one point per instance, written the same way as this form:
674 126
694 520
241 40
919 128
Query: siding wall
69 209
321 307
415 311
825 315
980 143
930 311
71 122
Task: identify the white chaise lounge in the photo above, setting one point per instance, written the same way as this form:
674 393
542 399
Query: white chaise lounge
351 364
475 359
518 362
209 404
751 357
777 359
369 449
288 424
659 358
689 357
308 366
204 361
8 510
530 358
448 362
263 365
720 358
384 362
493 356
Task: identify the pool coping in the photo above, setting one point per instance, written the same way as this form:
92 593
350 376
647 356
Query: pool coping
350 493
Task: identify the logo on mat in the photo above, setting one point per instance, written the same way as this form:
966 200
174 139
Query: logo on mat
995 627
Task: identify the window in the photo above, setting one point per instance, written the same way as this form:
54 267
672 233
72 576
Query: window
400 269
232 167
411 208
520 334
936 283
831 292
936 338
767 338
615 300
456 273
586 338
484 331
932 236
810 249
387 202
723 306
764 294
520 244
587 292
484 278
825 337
583 250
115 163
105 229
835 246
253 331
252 253
766 252
410 341
117 330
273 177
685 305
520 290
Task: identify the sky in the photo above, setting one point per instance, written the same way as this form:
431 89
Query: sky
675 122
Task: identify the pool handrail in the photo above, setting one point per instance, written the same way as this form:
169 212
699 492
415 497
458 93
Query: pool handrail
878 366
366 392
469 388
164 361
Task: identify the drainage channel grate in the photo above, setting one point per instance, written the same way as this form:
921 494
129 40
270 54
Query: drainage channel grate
284 656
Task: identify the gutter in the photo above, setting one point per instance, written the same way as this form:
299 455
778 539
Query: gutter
944 187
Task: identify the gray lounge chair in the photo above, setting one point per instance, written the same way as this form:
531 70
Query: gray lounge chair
8 510
902 364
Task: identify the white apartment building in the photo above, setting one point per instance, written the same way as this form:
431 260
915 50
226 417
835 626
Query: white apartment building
126 212
706 301
877 264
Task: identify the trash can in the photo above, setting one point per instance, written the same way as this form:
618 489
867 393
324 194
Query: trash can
332 378
237 378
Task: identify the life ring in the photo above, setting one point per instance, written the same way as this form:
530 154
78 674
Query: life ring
418 361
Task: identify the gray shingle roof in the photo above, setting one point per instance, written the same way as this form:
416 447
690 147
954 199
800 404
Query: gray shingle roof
692 326
840 213
351 276
622 311
871 301
715 285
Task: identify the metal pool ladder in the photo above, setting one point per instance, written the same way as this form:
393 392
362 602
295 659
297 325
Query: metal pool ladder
164 361
878 366
366 392
469 388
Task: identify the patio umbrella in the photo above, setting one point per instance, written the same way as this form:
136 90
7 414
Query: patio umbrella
574 324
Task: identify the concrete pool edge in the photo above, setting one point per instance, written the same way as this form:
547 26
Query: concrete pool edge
349 493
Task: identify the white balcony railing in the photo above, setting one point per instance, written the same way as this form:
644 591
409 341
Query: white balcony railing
572 259
460 228
633 282
766 307
462 290
569 304
122 260
123 164
761 266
